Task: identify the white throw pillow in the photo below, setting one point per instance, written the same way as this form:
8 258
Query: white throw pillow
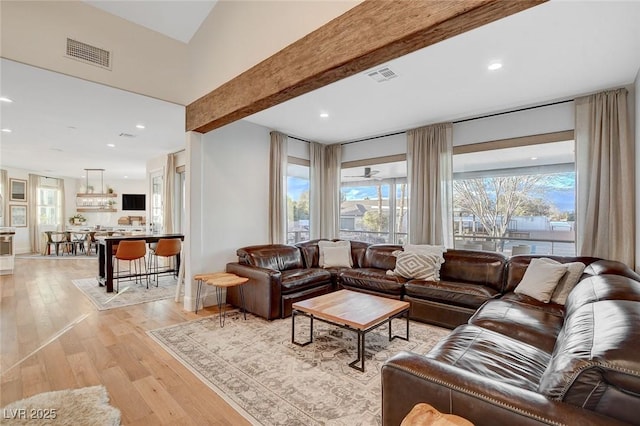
413 265
337 257
426 249
568 281
323 244
540 280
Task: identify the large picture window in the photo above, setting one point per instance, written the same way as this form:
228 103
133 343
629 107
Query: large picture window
374 202
516 199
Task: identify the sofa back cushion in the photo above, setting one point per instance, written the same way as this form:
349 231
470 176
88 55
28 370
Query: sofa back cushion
602 287
595 363
280 257
517 266
475 267
311 252
380 256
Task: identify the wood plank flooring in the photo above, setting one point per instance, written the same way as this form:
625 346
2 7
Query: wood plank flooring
53 338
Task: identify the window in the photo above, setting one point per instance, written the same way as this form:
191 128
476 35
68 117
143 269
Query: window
374 202
297 202
516 199
49 202
156 202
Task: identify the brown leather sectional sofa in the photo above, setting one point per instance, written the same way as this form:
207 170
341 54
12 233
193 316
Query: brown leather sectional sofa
283 274
510 360
519 362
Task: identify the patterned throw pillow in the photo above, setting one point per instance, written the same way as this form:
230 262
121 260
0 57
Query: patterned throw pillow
418 266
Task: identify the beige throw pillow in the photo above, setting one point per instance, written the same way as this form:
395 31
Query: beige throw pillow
324 244
568 281
337 257
427 249
540 280
412 265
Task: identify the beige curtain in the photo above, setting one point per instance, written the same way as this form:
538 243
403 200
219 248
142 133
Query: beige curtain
316 173
605 177
324 197
278 189
4 198
429 158
169 196
35 238
330 225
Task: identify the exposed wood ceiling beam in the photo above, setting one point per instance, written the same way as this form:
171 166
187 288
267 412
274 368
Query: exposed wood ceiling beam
370 34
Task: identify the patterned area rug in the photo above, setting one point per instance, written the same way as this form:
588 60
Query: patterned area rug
269 380
131 293
84 406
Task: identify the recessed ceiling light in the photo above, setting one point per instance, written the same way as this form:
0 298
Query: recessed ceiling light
7 130
494 66
4 99
111 145
534 158
324 115
126 177
140 126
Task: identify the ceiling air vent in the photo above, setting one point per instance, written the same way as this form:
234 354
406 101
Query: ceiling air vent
126 135
88 54
383 74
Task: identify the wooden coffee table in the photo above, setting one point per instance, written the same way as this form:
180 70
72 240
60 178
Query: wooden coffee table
354 311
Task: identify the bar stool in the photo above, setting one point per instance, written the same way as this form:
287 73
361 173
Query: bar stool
166 247
131 250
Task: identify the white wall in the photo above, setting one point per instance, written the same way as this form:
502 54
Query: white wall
228 190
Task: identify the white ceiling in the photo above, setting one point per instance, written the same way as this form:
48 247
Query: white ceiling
553 51
179 20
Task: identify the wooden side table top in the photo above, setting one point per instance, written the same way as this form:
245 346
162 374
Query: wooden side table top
226 280
354 309
206 276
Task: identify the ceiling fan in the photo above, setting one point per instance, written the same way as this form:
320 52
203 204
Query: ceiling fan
368 173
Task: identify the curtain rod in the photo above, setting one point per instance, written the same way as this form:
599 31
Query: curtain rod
464 120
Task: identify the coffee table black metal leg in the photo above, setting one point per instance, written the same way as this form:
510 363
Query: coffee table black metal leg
294 313
360 359
406 315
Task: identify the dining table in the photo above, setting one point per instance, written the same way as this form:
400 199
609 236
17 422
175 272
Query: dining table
105 254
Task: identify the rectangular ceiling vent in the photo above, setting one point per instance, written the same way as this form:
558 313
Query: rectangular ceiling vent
88 54
383 74
126 135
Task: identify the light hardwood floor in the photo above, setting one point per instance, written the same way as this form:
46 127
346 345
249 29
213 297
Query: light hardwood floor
52 338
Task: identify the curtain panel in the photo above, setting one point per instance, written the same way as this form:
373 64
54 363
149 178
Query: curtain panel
4 197
169 196
429 164
35 238
278 188
605 178
324 196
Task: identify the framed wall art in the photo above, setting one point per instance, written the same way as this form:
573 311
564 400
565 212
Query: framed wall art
17 190
17 216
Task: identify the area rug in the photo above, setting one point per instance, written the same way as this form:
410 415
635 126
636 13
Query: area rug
72 407
254 366
131 293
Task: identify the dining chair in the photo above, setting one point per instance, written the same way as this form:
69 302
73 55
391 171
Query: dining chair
167 248
132 250
79 240
59 240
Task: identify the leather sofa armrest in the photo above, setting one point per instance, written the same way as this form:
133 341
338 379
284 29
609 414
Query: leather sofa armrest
409 378
262 292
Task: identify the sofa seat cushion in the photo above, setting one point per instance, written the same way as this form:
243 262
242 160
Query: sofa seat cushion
451 292
301 279
595 364
516 320
552 308
492 356
373 279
